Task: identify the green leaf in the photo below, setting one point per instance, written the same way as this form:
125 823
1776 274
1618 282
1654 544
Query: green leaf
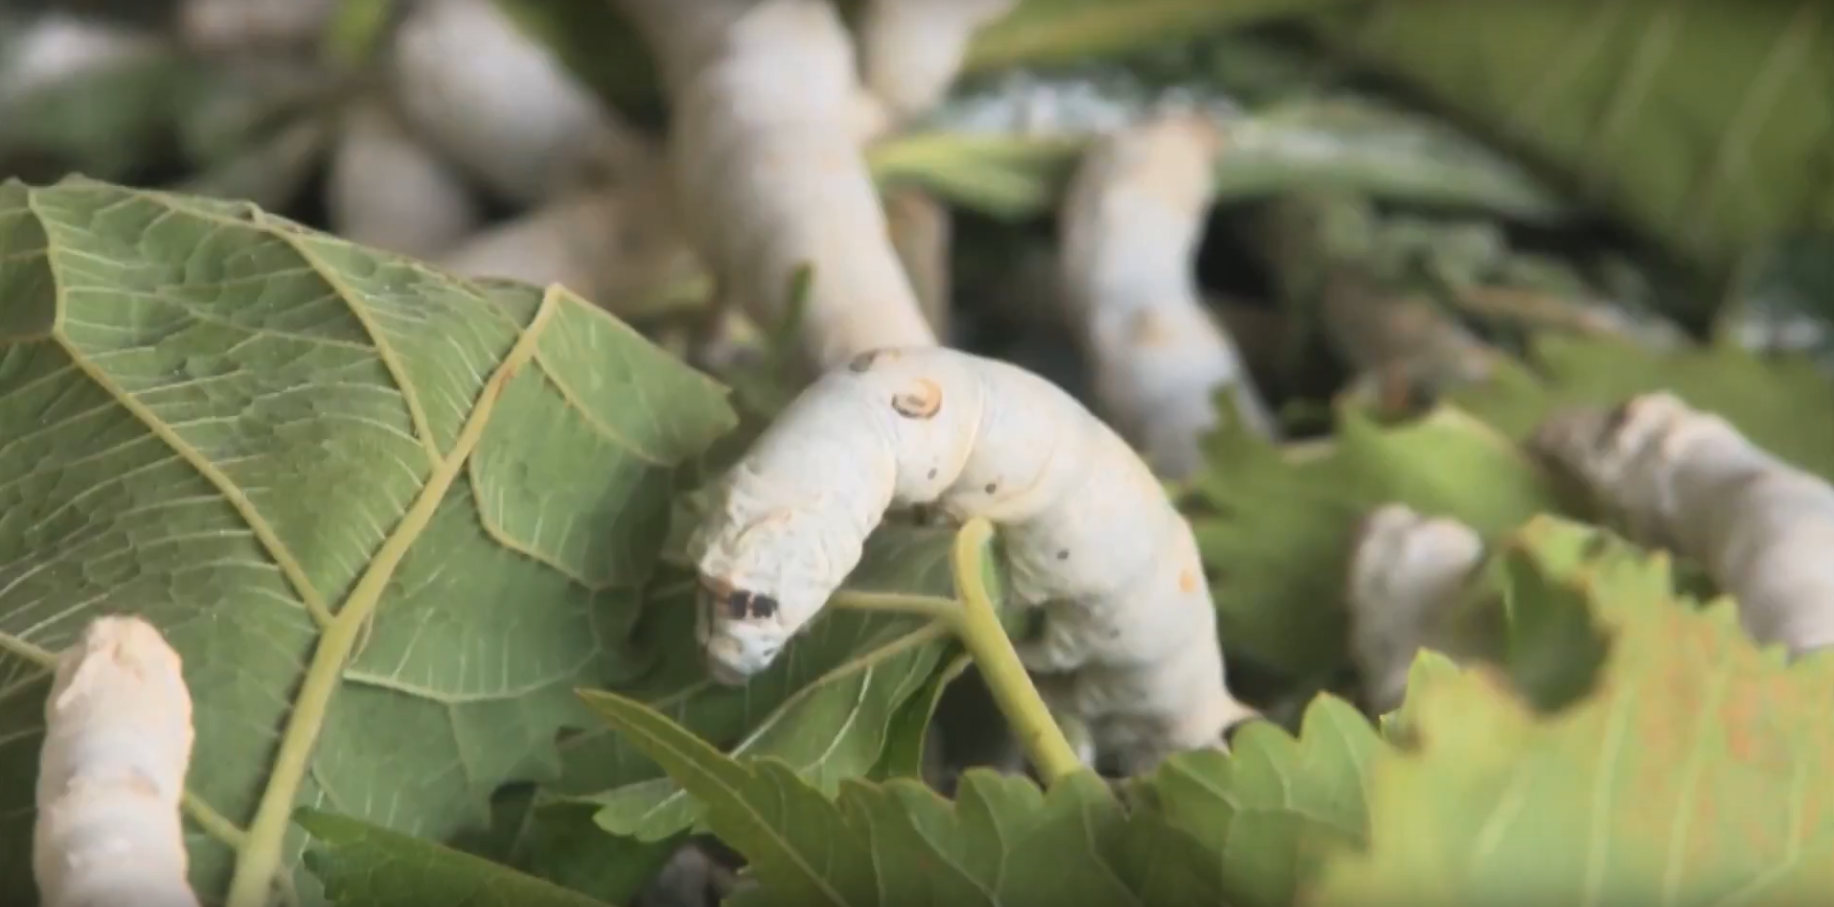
1765 397
910 729
1276 525
364 865
1043 32
1274 807
558 841
1709 158
1346 143
390 518
1002 842
830 707
1693 774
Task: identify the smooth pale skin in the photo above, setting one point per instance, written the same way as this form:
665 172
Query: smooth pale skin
1129 643
495 101
1406 572
1131 222
765 146
1688 481
112 770
912 49
388 190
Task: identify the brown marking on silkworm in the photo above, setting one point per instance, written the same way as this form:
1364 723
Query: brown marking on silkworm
924 402
1063 554
1187 581
139 783
1149 329
1616 418
719 587
992 487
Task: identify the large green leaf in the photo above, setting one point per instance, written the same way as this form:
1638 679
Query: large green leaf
365 865
831 706
1043 32
1693 773
390 518
1276 525
1707 125
1272 809
1002 842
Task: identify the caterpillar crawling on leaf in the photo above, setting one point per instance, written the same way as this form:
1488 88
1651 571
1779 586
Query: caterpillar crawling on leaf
1679 478
1129 642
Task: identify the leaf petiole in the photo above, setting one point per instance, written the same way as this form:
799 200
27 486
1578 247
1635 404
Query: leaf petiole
978 625
975 621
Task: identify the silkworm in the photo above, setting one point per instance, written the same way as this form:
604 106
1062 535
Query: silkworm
1129 642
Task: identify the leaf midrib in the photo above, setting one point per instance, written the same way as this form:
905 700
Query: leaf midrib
259 860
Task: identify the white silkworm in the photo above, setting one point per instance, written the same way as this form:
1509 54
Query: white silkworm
765 145
1406 573
112 771
1129 627
1131 222
492 99
1686 480
387 190
912 49
611 245
921 235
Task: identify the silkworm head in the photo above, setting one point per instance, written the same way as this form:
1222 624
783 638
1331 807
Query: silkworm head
765 573
737 629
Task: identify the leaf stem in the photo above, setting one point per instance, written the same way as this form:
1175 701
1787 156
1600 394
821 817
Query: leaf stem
945 609
978 625
258 860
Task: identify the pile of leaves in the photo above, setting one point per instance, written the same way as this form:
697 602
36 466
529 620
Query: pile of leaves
418 536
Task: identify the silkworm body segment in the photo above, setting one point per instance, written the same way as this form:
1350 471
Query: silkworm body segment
1406 573
1131 223
1129 629
764 144
1688 480
118 739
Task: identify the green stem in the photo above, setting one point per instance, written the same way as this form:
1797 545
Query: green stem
944 609
978 625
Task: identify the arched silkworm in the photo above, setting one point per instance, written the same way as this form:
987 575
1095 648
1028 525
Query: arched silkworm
493 99
1129 626
1131 222
1406 574
912 49
388 190
111 773
1686 480
765 146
